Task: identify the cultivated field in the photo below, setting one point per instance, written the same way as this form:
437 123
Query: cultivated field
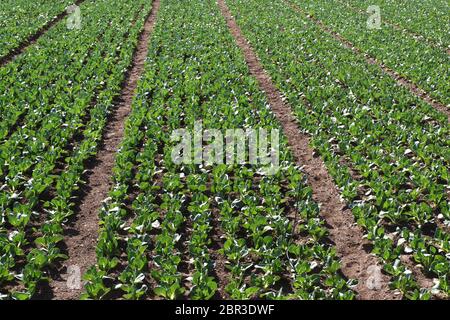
224 149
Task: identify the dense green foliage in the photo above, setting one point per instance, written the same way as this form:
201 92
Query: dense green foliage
19 19
428 67
428 18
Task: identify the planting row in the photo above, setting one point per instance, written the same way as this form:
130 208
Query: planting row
196 230
55 99
387 150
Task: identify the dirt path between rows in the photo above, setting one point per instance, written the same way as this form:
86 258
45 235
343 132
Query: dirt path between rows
32 39
356 262
414 89
81 239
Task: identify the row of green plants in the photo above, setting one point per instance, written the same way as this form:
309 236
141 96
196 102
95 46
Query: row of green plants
424 65
166 227
386 149
20 19
43 159
428 19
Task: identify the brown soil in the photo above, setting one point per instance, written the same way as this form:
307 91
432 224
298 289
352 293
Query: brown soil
347 236
414 89
81 238
219 271
31 40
